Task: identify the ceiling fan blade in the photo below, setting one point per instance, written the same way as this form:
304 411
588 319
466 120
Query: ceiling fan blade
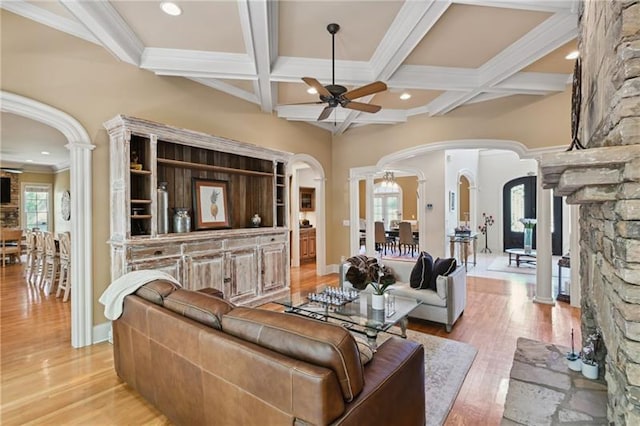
359 106
369 89
316 85
326 112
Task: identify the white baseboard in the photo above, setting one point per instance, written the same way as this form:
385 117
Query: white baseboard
332 269
102 333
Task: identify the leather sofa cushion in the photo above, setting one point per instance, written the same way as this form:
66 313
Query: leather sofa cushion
156 291
319 343
198 306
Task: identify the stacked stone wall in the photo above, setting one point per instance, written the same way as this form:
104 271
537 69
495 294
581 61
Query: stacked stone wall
610 231
10 213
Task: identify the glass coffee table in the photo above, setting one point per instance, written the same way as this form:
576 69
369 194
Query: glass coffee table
356 315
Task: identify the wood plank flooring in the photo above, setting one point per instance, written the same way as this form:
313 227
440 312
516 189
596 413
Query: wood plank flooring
45 381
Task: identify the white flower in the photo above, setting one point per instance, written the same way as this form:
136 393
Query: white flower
528 222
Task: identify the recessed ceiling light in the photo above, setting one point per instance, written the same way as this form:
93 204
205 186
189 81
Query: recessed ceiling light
405 96
312 91
170 8
572 55
45 153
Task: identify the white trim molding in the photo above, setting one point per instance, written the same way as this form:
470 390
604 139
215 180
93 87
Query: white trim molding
80 147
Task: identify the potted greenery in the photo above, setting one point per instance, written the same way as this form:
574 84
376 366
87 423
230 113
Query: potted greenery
379 286
589 363
528 233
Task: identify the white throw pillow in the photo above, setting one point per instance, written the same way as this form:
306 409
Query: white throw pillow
441 286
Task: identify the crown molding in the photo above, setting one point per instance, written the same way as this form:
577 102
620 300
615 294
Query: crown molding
228 88
104 22
198 64
50 19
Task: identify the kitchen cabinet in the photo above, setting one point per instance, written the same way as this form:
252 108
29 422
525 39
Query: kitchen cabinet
307 245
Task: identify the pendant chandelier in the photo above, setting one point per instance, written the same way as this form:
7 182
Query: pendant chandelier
388 179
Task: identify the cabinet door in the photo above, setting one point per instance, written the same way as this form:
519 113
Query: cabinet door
311 245
304 245
242 275
205 271
171 265
273 267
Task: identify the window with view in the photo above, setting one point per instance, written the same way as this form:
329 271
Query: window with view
387 199
37 200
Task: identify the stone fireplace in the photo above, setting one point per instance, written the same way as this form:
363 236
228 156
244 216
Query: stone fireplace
10 213
604 180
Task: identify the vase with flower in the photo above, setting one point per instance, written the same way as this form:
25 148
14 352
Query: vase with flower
529 224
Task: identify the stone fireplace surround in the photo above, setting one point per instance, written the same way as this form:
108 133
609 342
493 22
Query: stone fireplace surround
604 180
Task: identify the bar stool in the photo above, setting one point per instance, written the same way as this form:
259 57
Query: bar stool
64 283
35 276
51 260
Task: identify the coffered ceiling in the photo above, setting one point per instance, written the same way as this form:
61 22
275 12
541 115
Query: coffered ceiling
445 53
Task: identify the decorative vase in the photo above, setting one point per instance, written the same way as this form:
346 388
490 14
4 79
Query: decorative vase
163 208
590 371
377 301
574 362
181 220
528 240
256 220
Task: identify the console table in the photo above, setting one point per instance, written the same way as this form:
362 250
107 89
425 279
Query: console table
521 256
463 240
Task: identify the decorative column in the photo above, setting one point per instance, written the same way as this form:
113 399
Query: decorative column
422 215
543 247
81 248
371 232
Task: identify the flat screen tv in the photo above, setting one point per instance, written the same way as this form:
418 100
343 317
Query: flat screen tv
5 190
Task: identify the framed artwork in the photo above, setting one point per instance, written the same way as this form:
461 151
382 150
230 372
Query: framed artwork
210 203
452 201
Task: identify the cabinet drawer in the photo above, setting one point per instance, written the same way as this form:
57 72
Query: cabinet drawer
273 238
234 243
202 246
155 251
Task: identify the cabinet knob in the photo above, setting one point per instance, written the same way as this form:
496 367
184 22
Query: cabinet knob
273 239
227 280
157 252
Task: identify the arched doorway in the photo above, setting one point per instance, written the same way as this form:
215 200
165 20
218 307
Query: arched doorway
80 148
519 201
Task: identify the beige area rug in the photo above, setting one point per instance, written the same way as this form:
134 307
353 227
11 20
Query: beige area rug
501 264
446 363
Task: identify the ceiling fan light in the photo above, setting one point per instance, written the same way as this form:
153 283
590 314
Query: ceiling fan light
573 55
312 91
405 95
170 8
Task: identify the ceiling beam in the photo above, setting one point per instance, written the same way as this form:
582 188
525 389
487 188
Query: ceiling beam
535 5
258 19
411 24
198 64
228 88
291 70
311 112
50 19
108 27
542 40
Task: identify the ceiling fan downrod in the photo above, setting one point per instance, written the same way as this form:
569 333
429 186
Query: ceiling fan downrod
333 29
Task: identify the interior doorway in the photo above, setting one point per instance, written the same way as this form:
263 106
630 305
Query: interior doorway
519 201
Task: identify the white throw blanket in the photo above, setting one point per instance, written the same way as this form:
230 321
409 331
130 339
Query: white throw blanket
113 296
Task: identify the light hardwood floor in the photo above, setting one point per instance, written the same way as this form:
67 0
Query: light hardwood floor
45 381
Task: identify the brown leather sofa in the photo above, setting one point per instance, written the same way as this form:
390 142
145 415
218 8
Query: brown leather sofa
201 360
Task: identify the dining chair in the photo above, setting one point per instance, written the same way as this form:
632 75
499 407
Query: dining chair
51 260
406 238
11 240
64 282
30 248
35 276
381 239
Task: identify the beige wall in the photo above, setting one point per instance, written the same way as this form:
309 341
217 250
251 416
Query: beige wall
88 83
61 183
409 185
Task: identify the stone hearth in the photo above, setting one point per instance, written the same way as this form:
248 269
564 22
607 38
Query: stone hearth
544 391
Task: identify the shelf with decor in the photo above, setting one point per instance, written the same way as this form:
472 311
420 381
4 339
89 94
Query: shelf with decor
217 186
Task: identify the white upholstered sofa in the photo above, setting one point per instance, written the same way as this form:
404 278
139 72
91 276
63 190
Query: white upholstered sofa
443 306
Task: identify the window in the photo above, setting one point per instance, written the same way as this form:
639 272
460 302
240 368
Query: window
387 199
517 208
37 203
